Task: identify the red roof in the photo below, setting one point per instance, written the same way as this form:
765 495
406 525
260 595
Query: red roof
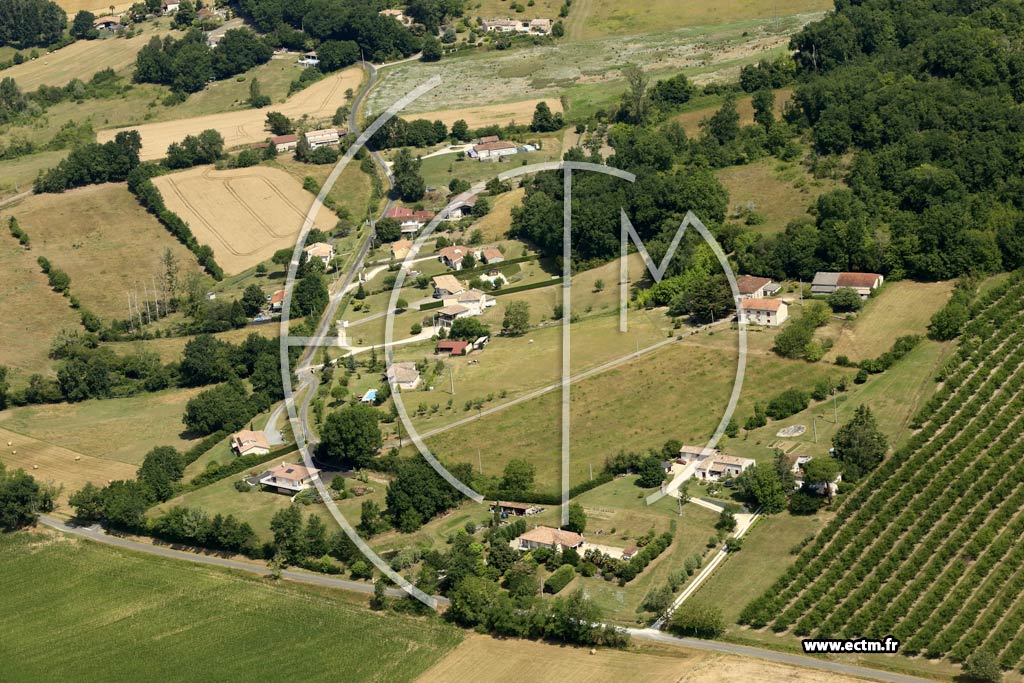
865 280
748 284
400 213
277 297
762 304
452 345
281 139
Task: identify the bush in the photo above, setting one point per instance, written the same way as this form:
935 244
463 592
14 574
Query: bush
697 622
789 402
560 579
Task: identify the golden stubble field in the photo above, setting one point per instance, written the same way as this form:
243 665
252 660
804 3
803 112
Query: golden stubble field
103 239
513 661
81 59
318 101
485 115
53 464
244 214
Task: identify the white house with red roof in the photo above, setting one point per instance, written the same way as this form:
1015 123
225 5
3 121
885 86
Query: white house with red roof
753 287
767 312
408 219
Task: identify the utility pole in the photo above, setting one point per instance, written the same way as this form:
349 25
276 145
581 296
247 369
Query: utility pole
479 461
131 322
814 422
451 378
835 404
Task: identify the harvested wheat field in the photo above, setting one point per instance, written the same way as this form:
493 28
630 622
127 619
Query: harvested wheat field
73 6
55 465
104 240
81 60
318 101
243 214
512 661
485 115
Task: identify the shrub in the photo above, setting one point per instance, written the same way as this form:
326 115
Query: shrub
560 579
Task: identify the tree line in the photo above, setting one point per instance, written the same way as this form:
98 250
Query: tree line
187 64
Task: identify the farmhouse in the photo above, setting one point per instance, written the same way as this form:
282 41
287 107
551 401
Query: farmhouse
309 59
453 347
493 150
719 466
289 478
491 256
767 312
277 301
410 220
447 286
404 375
697 453
629 553
107 23
546 537
751 287
322 251
508 509
453 256
826 283
400 249
541 26
450 313
169 7
501 25
285 143
246 442
474 300
322 137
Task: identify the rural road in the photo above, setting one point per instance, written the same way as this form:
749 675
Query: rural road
100 536
94 533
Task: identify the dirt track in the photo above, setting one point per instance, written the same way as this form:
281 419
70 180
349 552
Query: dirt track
244 214
319 100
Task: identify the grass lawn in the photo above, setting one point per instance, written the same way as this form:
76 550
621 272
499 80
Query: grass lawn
105 241
765 556
676 392
257 507
901 308
41 312
183 622
16 175
616 515
778 191
120 429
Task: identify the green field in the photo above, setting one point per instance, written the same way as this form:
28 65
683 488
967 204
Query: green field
121 429
82 607
16 175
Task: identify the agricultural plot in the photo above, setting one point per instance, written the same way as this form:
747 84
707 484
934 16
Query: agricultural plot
509 661
81 60
244 214
485 115
636 17
105 241
318 101
41 313
16 175
52 464
118 429
73 6
921 550
177 618
587 72
901 308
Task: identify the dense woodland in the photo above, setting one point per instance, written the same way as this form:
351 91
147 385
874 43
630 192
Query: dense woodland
924 98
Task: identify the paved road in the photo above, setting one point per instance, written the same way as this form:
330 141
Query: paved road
773 656
94 533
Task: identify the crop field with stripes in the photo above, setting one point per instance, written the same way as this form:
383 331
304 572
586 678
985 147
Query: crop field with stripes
927 548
